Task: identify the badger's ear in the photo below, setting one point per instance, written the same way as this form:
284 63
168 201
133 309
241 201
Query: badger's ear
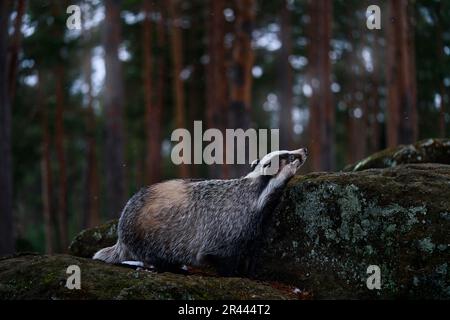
254 164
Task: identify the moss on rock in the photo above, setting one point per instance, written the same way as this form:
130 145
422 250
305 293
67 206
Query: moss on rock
89 241
424 151
44 277
330 227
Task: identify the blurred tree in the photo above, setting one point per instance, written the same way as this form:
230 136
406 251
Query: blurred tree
177 61
322 124
91 216
14 49
160 94
58 72
6 213
241 72
441 71
153 109
114 105
46 171
401 75
216 82
285 77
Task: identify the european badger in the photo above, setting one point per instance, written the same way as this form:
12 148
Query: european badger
198 222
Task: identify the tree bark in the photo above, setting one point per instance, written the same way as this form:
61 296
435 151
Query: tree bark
241 73
61 156
160 97
14 50
321 106
152 109
285 79
216 83
91 198
441 75
46 171
401 76
6 208
114 99
177 60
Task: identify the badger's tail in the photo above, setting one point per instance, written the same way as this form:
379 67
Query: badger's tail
115 254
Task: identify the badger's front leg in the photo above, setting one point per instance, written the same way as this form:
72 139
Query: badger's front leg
277 183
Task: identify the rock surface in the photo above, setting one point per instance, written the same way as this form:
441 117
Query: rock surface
89 241
425 151
330 227
44 277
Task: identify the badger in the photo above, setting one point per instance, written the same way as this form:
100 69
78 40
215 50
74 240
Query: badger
203 222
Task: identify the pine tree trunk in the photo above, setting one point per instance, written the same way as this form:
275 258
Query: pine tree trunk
401 76
14 50
155 155
61 156
91 198
152 109
6 211
441 75
216 88
114 105
177 60
241 74
285 79
321 106
148 87
46 171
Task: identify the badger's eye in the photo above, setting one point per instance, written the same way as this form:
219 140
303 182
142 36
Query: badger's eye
291 158
266 164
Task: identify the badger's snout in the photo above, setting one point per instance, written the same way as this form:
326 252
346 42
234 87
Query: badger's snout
305 151
300 154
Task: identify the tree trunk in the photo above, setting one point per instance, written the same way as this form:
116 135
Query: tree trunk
46 171
61 156
321 106
156 157
6 213
92 204
148 87
216 83
114 99
241 73
441 74
401 76
152 109
14 50
285 79
177 60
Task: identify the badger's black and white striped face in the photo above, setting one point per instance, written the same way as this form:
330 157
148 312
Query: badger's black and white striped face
272 163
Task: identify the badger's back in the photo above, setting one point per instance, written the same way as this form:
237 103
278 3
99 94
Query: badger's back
180 221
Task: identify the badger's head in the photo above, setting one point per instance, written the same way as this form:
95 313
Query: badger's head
272 163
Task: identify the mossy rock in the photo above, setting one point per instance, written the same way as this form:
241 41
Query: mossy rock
425 151
44 277
330 227
89 241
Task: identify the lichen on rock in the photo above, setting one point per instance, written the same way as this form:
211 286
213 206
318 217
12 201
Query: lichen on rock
424 151
344 222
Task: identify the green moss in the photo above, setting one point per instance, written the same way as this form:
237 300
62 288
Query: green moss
425 151
44 277
344 222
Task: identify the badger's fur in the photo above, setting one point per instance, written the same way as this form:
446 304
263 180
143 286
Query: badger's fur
197 222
